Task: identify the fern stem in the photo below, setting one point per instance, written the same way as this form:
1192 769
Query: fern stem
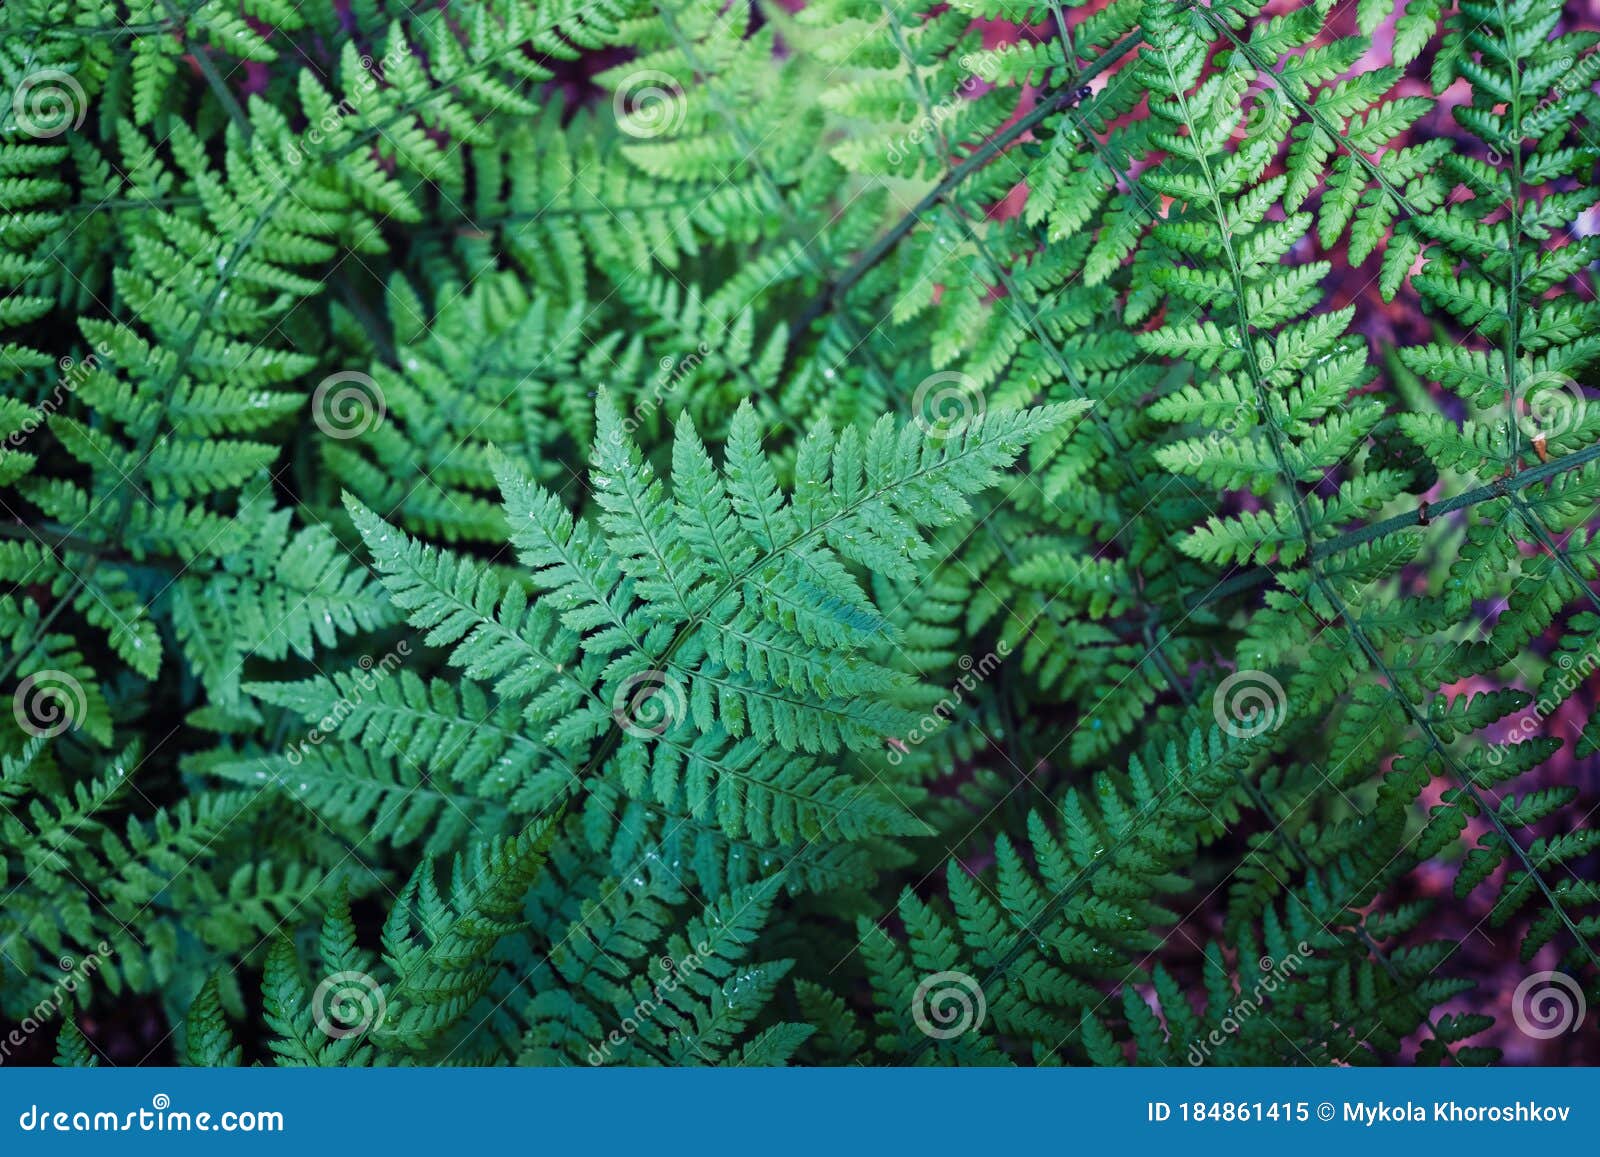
1514 251
1465 781
1085 875
1423 515
63 540
190 345
116 205
103 32
844 317
1156 650
1136 481
1280 456
1031 316
1351 624
1513 323
208 69
832 294
1013 295
1530 517
1310 111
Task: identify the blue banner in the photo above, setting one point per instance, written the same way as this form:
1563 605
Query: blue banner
816 1112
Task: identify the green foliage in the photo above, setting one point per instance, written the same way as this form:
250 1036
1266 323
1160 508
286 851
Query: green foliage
830 536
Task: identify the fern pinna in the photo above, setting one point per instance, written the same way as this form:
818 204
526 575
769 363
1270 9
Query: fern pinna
661 532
